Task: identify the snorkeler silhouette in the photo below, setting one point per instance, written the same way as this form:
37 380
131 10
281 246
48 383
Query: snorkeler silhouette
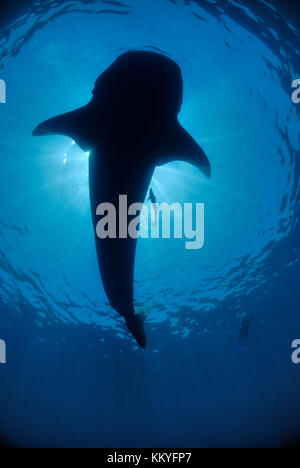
244 331
130 126
152 197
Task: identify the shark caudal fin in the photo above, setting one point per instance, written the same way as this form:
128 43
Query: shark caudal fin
178 145
135 325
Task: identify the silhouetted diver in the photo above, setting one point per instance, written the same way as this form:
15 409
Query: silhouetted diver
245 330
130 126
152 197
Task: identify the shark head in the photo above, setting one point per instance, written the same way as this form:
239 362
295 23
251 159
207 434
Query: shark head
139 89
132 122
140 93
148 83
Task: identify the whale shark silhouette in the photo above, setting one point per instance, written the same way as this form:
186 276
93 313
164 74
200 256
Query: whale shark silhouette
130 126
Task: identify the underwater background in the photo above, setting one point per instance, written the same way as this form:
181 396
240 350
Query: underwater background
74 376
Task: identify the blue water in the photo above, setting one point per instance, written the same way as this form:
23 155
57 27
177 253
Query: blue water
74 376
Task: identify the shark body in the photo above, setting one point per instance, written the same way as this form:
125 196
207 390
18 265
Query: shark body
130 126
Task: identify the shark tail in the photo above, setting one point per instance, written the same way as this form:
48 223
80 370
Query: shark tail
135 325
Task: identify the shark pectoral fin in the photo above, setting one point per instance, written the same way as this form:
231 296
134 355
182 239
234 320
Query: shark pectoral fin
72 124
178 145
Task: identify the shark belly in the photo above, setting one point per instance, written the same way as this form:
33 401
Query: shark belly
130 126
116 256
